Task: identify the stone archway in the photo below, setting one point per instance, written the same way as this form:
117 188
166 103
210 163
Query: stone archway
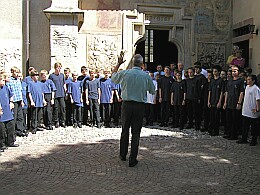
157 49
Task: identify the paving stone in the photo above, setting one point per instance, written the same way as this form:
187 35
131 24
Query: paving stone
85 161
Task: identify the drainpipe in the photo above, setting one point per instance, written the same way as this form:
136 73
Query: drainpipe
27 39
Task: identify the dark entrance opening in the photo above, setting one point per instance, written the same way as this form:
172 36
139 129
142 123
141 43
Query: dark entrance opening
156 49
244 46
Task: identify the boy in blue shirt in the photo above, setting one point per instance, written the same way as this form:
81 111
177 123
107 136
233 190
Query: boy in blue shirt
84 77
49 93
58 79
7 125
36 96
14 84
106 97
75 92
93 98
25 101
69 110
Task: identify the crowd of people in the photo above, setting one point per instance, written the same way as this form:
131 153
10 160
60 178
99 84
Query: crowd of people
204 97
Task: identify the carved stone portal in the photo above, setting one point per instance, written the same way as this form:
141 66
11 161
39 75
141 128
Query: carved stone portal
215 50
10 54
102 51
64 46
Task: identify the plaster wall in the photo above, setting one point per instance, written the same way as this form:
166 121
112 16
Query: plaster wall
39 35
239 15
10 34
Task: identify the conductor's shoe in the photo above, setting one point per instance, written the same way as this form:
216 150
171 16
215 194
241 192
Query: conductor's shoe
57 125
133 163
189 127
13 145
63 125
122 158
34 131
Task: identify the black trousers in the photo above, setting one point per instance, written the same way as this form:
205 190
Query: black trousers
193 112
69 111
132 116
59 110
247 123
36 117
18 116
223 119
179 115
7 133
77 117
157 111
234 124
149 113
165 112
206 118
94 111
116 112
47 110
214 120
106 111
25 116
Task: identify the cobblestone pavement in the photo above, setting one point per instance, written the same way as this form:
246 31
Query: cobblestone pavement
85 161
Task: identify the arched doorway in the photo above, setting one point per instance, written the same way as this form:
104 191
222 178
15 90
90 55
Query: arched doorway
156 49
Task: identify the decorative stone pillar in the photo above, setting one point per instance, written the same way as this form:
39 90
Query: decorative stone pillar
133 32
67 46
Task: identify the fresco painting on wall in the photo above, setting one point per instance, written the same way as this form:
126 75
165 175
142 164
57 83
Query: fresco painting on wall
215 50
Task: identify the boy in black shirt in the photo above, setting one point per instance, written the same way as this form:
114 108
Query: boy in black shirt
178 96
233 103
164 86
203 87
192 97
216 90
84 77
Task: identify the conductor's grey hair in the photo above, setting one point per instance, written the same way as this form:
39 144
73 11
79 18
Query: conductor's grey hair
138 60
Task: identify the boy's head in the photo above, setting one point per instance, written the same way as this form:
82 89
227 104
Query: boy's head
2 80
223 74
20 76
251 80
44 74
30 69
180 66
190 72
197 67
106 73
35 75
15 71
92 74
167 70
235 71
178 75
67 72
159 68
216 70
7 76
209 72
84 70
74 76
57 67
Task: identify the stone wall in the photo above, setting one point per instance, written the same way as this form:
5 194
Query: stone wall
197 27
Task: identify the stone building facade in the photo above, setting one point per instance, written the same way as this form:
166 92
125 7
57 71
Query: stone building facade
93 32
